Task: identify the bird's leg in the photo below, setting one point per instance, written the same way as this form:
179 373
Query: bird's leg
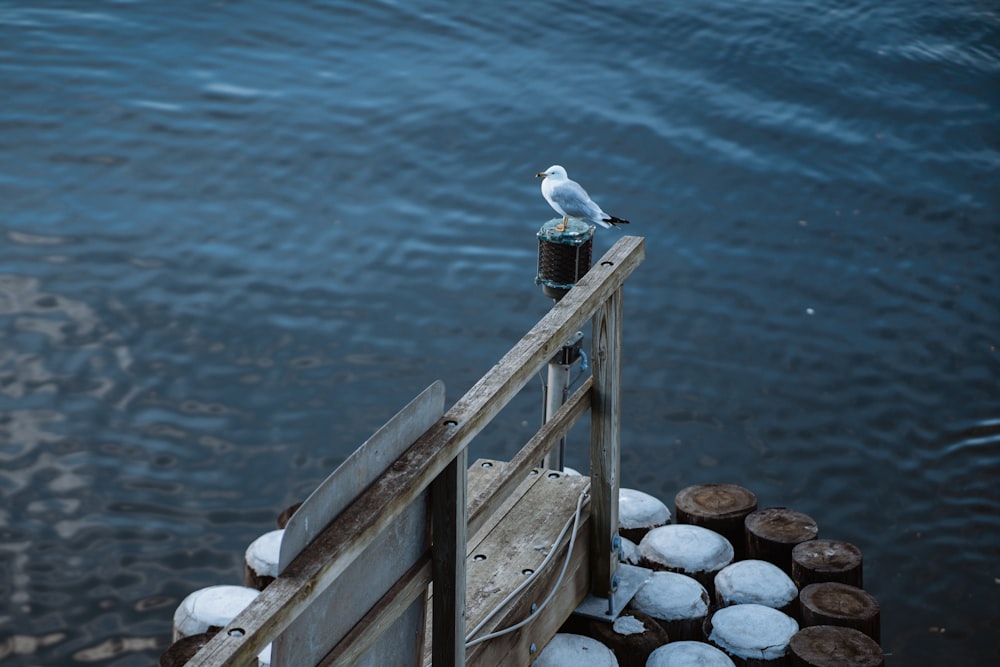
561 227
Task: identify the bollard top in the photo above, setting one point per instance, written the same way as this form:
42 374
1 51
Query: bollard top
752 631
756 582
671 596
686 547
577 232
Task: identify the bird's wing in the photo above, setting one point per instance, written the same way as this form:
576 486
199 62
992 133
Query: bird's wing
575 201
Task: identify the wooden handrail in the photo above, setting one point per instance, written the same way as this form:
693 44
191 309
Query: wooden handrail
326 558
513 472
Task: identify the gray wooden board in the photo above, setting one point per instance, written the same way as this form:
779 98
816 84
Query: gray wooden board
517 537
336 610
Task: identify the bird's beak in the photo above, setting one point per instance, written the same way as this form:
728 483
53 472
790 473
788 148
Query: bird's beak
540 174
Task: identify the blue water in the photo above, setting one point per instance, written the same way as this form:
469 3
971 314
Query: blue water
236 237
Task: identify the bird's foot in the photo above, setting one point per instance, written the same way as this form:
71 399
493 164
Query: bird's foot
561 227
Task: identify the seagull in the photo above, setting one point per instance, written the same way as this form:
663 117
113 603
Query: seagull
571 201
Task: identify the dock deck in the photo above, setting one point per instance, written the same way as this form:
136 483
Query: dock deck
506 556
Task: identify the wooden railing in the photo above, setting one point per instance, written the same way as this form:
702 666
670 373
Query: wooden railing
438 460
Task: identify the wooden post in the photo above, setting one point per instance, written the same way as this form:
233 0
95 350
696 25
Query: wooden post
448 503
772 533
679 603
751 634
831 603
605 444
719 507
817 561
181 651
822 645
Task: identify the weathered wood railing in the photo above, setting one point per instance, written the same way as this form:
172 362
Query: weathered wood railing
438 460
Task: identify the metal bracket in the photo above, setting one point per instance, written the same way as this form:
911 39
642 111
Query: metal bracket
570 352
630 579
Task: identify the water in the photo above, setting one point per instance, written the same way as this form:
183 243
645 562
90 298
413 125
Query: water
235 238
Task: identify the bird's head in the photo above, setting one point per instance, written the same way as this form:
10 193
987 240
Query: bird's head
554 172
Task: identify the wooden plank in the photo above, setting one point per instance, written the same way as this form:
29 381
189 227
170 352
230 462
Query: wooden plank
520 535
605 443
516 648
340 607
485 474
520 542
347 600
328 556
381 617
448 502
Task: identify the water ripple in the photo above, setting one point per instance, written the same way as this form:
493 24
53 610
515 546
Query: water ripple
231 248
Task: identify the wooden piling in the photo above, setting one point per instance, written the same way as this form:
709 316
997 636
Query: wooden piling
632 637
752 635
772 533
210 609
719 507
639 512
679 603
831 603
692 550
818 561
286 515
566 650
756 582
261 560
182 650
688 654
834 646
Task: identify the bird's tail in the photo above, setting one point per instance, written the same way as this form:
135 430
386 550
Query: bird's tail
611 221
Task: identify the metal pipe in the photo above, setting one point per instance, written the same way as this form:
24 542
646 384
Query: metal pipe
557 389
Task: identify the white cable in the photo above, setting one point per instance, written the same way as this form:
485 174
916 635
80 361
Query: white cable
569 554
520 587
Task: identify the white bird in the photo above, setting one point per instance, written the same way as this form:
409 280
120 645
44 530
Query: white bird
571 201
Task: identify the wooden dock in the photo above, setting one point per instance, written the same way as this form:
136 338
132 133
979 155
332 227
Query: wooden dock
405 550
